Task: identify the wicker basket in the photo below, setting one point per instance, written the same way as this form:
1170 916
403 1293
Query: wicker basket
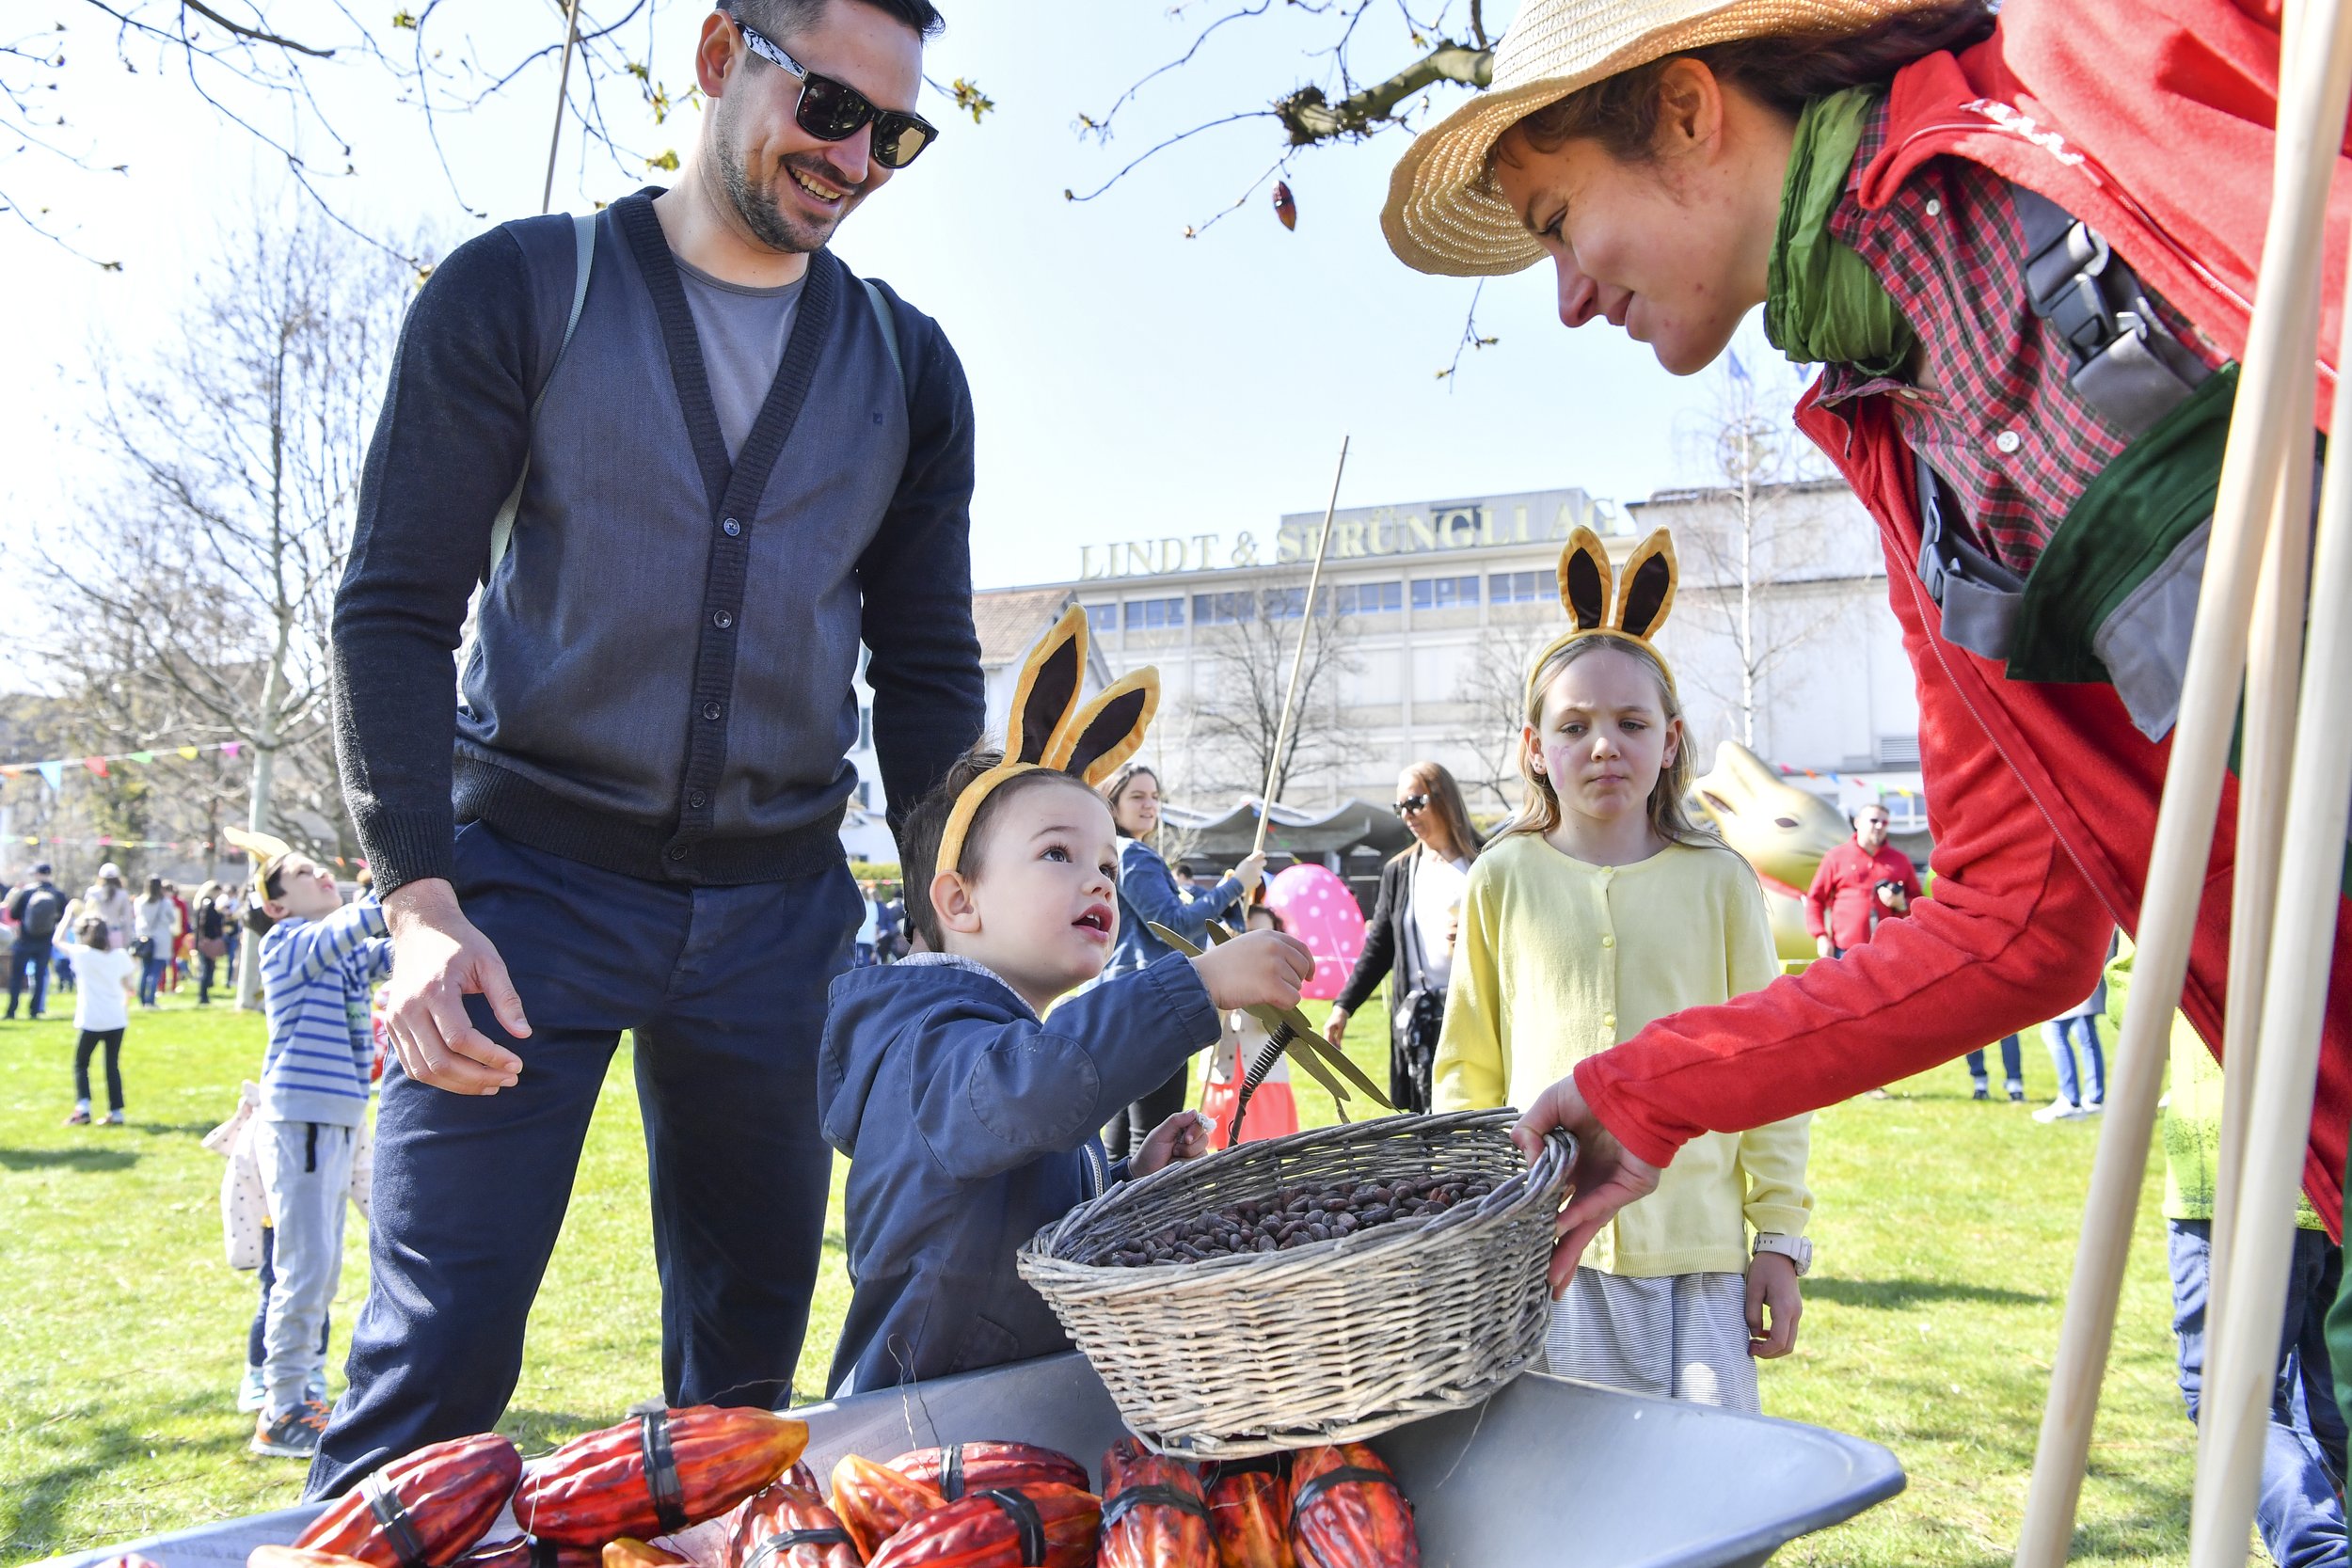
1325 1343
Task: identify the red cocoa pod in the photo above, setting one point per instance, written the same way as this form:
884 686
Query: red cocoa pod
1347 1512
876 1502
261 1556
1249 1514
1154 1514
630 1552
801 1477
421 1512
786 1526
527 1551
963 1468
1005 1527
601 1486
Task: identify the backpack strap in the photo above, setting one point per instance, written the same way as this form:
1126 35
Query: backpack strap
2127 365
583 263
888 321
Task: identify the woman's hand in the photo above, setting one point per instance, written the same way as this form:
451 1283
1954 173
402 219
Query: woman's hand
1335 1027
1182 1136
1772 1284
1251 871
1604 1179
1821 945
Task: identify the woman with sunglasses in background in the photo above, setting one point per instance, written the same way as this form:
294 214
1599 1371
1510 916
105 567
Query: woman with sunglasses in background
1409 940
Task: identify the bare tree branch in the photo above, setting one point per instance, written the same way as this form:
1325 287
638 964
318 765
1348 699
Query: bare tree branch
1310 117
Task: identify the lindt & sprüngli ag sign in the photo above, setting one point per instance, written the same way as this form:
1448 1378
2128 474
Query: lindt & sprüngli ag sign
1363 533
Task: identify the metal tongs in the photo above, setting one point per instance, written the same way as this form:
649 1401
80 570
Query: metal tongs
1287 1029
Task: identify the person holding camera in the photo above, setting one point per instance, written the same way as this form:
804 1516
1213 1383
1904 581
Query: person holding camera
1861 883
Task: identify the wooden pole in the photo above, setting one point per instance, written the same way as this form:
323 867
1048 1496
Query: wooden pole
563 91
2310 120
1299 656
2235 1408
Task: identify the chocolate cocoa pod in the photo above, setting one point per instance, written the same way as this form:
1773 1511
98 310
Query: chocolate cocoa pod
788 1525
630 1552
656 1473
260 1557
1250 1511
876 1502
424 1510
1347 1511
1154 1514
1005 1527
528 1551
963 1468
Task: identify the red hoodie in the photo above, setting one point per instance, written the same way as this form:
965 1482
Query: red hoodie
2042 797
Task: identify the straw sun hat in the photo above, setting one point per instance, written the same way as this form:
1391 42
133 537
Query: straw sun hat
1443 214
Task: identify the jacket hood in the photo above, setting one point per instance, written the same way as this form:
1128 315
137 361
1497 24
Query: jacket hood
871 1006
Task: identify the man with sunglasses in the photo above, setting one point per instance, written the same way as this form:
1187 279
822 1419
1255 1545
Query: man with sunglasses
693 463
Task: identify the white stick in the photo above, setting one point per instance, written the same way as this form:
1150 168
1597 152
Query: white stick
563 91
1299 656
2311 119
2242 1371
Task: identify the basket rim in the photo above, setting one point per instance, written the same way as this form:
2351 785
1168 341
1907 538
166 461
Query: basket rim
1510 1198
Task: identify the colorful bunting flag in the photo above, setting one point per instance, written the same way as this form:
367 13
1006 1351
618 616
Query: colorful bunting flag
54 772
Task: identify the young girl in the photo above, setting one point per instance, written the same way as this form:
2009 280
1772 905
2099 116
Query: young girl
1599 910
101 1010
1273 1108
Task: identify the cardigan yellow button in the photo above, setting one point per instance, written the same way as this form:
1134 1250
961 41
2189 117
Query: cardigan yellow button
1610 1018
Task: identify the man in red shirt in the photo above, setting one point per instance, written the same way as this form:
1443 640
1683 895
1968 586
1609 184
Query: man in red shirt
1857 881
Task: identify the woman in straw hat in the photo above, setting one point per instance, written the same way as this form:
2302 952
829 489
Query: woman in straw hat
2023 254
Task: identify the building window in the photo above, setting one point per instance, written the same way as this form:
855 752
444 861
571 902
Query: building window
1371 598
1220 609
1445 593
1897 750
1154 615
1103 619
1520 587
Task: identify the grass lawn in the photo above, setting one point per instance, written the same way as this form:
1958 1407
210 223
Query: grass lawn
1945 1234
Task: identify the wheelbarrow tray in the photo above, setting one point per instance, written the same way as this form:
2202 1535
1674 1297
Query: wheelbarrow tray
1547 1472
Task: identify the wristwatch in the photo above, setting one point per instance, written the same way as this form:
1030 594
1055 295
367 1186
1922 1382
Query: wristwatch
1795 1249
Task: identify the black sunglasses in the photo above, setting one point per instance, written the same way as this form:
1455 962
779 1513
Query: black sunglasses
1412 803
836 111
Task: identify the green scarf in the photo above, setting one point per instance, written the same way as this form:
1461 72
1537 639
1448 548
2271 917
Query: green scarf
1822 304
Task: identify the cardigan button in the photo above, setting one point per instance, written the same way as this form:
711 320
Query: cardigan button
722 619
677 851
710 711
1609 942
730 527
696 799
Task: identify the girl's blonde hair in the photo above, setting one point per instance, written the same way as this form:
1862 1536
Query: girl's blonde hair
1540 813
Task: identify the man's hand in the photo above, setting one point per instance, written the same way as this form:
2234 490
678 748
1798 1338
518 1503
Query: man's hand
1603 1179
437 957
1335 1027
1772 1286
1182 1136
1264 969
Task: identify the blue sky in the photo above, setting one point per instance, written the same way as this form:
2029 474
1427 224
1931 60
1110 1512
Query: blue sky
1129 382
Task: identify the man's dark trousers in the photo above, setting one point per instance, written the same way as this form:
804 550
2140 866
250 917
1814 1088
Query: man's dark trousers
27 954
725 990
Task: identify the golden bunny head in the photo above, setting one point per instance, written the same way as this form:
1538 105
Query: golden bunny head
1048 729
1601 604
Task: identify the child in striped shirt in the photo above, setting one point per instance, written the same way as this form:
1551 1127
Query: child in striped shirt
319 960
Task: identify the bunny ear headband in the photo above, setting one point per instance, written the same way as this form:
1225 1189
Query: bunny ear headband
1048 730
262 849
1640 602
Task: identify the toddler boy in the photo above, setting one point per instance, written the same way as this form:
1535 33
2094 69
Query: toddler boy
317 957
969 1115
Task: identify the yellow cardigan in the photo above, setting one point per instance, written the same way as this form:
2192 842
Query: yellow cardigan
1558 960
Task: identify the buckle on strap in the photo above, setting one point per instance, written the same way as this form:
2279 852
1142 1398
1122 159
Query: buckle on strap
1978 596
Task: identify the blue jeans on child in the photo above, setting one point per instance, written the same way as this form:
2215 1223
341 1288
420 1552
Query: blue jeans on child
2298 1514
725 990
2059 1035
2012 1061
150 975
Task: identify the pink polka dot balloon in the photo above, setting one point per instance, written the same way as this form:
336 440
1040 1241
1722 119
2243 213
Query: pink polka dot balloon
1317 908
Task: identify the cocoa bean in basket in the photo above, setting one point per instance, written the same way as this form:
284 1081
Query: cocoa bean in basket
1296 1217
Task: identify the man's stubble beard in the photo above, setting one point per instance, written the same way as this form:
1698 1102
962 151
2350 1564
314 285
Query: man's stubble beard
756 205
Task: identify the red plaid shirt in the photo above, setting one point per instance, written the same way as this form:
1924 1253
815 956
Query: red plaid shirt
2005 429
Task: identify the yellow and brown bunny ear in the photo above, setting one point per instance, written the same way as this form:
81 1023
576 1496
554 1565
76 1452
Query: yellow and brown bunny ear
1585 580
1047 694
261 849
1110 730
1645 595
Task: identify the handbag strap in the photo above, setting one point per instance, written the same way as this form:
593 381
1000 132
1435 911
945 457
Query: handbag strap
583 263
